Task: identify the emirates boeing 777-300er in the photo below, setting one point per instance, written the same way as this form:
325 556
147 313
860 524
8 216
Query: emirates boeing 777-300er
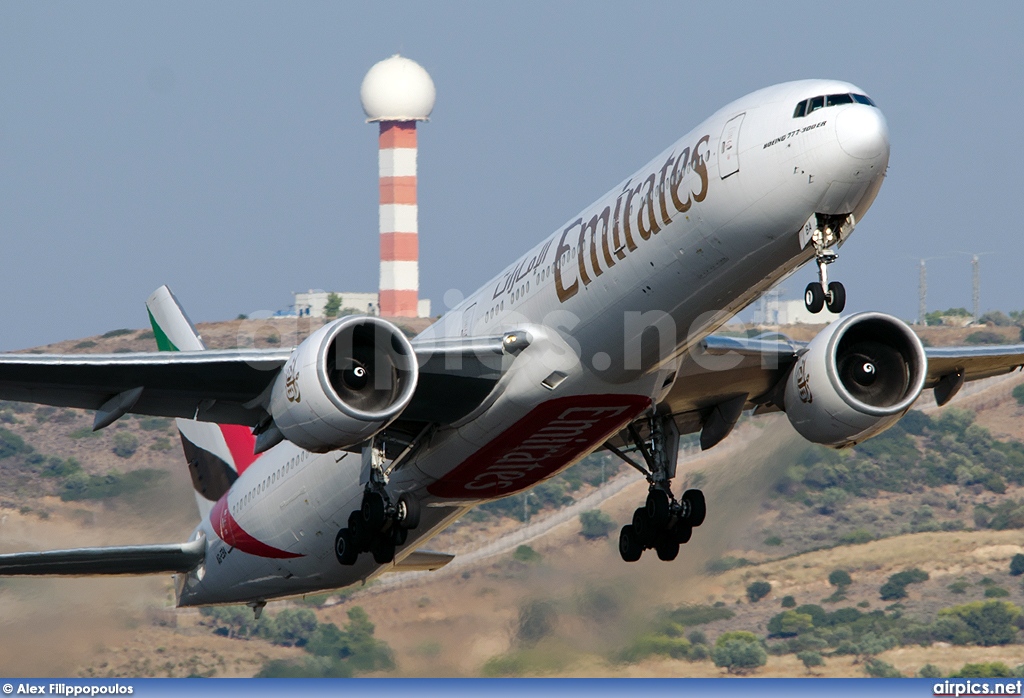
338 460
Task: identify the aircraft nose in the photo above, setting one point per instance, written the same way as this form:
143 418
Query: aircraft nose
862 132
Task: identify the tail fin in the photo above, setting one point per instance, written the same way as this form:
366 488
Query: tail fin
216 453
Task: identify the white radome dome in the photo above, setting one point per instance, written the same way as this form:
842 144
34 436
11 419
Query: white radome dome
397 89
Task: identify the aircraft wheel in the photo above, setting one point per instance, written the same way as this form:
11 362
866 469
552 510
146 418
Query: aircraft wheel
698 507
362 536
814 297
407 512
383 550
657 508
667 548
630 547
643 527
345 547
399 535
681 532
374 511
835 299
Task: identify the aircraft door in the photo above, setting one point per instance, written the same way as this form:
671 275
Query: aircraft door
729 147
467 320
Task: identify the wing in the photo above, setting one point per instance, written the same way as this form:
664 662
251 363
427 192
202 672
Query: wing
230 386
724 376
130 559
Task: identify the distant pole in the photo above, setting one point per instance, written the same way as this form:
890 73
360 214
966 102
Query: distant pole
976 295
922 287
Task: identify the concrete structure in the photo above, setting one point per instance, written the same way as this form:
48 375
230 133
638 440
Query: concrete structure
396 93
312 303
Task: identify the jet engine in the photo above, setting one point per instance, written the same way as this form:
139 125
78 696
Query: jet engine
856 379
343 384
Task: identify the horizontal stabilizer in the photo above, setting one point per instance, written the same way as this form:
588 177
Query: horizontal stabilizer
128 559
423 560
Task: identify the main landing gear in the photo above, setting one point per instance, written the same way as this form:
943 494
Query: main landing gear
823 293
379 525
663 523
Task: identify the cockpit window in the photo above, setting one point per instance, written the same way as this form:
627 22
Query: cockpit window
814 103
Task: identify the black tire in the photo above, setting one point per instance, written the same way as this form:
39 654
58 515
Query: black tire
698 507
681 532
383 550
345 548
399 535
374 511
630 548
362 536
407 512
814 297
667 548
835 299
657 508
643 528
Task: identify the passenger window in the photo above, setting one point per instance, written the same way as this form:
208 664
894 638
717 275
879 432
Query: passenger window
800 110
836 100
816 103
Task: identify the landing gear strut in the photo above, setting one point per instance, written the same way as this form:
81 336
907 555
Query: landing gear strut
379 525
824 293
663 523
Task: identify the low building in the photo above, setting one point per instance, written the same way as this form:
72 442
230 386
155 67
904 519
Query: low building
773 311
313 303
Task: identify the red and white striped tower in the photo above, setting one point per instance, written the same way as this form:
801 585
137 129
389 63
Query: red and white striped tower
397 93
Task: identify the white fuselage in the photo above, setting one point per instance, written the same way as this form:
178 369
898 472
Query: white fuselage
678 248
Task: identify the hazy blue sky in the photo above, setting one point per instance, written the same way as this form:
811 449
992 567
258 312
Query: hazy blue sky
220 147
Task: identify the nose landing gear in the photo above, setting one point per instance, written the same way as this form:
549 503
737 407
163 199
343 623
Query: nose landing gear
663 523
824 293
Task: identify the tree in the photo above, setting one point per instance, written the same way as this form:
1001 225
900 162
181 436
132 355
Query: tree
758 590
738 652
788 602
881 670
1017 564
333 305
840 578
984 670
595 524
930 671
896 586
989 622
1018 392
790 623
810 659
125 444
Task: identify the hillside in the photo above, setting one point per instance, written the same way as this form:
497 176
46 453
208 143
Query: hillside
769 521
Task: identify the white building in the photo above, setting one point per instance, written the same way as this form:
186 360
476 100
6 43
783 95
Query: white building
313 302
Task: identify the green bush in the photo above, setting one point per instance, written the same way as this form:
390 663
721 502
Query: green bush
881 670
117 333
896 586
738 652
1017 565
79 485
986 623
930 671
790 624
525 553
810 659
536 621
788 602
689 616
959 586
1018 391
984 670
653 644
996 593
125 444
595 524
155 423
758 590
840 578
11 444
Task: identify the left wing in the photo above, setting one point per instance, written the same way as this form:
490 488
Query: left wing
128 559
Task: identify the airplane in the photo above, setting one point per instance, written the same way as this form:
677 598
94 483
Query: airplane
336 461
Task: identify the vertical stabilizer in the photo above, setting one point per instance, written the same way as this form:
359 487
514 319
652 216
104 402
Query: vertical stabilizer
216 453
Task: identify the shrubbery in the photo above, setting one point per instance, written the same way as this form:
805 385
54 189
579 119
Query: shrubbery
758 590
595 524
896 587
738 652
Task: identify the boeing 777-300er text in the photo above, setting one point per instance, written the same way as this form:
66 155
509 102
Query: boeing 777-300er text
336 461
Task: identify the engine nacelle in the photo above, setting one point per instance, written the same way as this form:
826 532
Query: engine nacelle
857 378
344 383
